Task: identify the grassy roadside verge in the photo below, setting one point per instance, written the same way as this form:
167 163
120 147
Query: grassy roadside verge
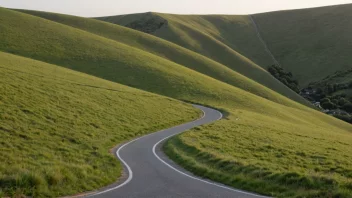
250 178
253 157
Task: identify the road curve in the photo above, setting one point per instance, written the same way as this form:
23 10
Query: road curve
152 175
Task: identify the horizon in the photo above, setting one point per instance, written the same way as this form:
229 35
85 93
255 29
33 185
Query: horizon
224 7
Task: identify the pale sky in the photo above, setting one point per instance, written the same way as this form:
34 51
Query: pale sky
92 8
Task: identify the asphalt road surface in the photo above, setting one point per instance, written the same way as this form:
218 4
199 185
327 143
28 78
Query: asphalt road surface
152 175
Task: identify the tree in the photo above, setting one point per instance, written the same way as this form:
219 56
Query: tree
325 100
328 105
330 88
284 81
342 101
319 90
335 101
345 118
295 81
272 70
347 107
285 77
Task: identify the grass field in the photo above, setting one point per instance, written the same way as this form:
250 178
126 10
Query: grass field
267 143
57 127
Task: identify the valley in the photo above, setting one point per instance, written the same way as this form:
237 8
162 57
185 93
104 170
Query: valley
72 88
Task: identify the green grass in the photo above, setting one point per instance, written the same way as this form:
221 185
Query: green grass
117 62
164 49
278 136
269 155
57 127
225 39
341 77
311 43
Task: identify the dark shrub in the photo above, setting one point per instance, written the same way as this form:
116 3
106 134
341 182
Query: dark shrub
347 107
328 105
342 101
285 77
346 118
325 100
319 91
335 101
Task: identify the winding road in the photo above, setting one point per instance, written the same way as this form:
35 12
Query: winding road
152 175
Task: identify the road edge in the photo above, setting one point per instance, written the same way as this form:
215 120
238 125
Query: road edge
126 174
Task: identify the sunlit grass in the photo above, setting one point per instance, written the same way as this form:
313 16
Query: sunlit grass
57 127
273 136
270 155
182 56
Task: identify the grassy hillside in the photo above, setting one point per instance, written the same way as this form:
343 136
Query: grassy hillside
283 149
83 51
303 41
57 127
235 32
268 154
311 43
229 40
173 52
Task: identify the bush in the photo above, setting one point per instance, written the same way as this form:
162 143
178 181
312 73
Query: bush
328 105
319 91
285 77
272 70
335 101
149 24
342 101
347 107
325 100
284 81
346 118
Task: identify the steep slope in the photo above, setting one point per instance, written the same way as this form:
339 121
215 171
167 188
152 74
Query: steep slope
57 126
272 134
231 31
229 40
108 59
311 43
303 41
172 52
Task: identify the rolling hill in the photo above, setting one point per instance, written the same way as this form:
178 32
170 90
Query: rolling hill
57 127
267 143
302 41
311 43
225 39
320 52
175 54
